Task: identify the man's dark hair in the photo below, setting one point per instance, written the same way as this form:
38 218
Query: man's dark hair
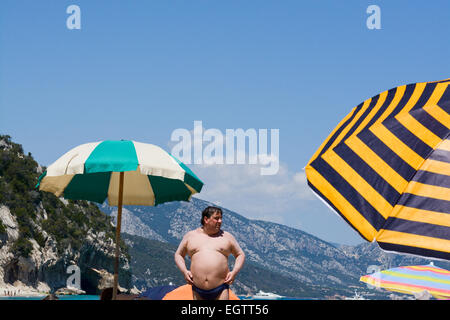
208 212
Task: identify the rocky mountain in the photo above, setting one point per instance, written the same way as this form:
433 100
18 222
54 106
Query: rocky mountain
313 266
41 235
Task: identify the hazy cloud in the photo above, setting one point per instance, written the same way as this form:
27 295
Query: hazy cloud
243 189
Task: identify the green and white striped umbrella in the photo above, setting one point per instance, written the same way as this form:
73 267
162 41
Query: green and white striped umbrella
91 172
125 172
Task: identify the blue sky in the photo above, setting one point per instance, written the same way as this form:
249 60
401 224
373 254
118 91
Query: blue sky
141 69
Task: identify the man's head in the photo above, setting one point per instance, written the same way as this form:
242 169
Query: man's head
212 216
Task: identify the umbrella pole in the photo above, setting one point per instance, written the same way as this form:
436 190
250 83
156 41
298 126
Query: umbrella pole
118 226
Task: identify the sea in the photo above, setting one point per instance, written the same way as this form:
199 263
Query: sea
95 297
60 297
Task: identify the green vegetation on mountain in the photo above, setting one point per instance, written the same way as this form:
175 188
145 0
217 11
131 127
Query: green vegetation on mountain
36 211
152 262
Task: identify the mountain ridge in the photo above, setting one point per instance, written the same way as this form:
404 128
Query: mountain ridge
276 248
41 235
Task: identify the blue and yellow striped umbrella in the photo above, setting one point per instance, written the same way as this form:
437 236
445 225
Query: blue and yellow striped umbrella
386 169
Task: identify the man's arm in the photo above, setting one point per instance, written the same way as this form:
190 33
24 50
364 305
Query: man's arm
237 252
180 262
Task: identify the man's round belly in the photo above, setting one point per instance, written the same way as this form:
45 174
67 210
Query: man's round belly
209 269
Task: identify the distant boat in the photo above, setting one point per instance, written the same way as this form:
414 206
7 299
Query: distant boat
357 296
266 295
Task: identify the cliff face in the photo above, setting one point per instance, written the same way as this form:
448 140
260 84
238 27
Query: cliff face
41 235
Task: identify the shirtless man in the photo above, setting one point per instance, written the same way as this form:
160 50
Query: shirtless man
209 248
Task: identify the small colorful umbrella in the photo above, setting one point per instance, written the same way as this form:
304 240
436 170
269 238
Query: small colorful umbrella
412 280
124 172
386 169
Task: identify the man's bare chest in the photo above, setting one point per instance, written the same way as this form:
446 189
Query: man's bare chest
206 243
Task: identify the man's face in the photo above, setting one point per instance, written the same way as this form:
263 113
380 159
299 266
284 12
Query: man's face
215 221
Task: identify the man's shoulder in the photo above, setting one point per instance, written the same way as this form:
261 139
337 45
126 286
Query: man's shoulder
192 233
227 234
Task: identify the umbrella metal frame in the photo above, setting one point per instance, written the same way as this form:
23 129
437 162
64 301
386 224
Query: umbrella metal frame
118 227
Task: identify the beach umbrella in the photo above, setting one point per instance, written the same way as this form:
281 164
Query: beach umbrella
385 169
124 172
412 280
